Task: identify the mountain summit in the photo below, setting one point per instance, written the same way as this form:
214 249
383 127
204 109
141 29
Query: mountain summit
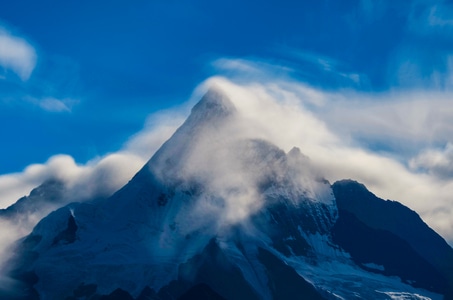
214 104
216 213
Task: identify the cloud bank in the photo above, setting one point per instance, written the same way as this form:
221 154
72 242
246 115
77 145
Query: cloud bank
397 143
437 162
100 176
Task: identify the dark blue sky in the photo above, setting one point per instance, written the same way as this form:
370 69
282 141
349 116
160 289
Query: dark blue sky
112 63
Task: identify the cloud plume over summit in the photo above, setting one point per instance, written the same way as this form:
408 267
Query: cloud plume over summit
386 141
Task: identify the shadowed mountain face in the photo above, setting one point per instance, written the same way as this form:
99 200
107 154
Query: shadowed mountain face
217 214
18 220
367 221
50 194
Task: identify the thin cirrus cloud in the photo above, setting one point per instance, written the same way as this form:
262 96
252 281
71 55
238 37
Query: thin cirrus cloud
328 65
51 104
439 15
423 56
17 55
54 105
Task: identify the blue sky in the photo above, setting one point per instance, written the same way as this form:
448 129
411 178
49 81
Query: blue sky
98 85
112 63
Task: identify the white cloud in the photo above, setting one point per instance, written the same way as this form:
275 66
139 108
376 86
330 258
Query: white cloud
436 162
64 168
54 105
102 175
339 131
19 56
99 177
51 104
16 54
400 120
329 66
343 133
236 65
158 128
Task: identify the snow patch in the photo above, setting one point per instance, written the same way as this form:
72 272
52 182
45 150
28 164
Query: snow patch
409 296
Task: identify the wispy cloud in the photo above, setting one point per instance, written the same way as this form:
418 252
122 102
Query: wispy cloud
51 104
97 178
315 66
16 54
55 80
440 15
438 162
376 138
54 105
101 175
64 168
403 121
422 57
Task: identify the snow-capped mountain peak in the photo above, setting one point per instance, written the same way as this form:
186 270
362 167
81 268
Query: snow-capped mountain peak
214 104
210 207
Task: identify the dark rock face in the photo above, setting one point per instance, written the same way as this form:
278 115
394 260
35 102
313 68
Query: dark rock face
383 248
394 217
392 227
201 292
117 294
85 290
68 235
284 282
214 269
213 273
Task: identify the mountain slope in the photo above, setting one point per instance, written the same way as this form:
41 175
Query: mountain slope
355 200
18 220
42 199
214 210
